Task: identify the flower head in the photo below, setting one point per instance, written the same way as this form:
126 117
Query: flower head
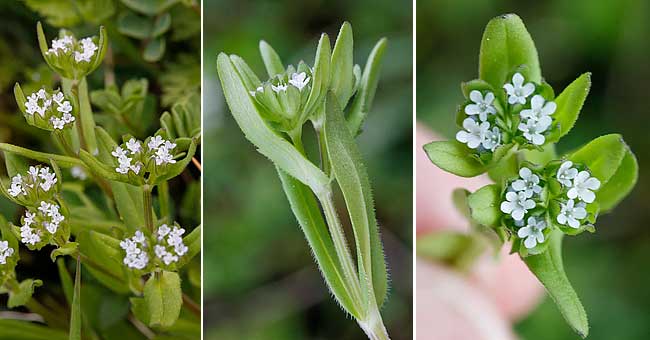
532 233
136 251
566 173
571 213
481 106
528 183
48 111
533 131
474 133
518 91
5 251
33 186
517 204
583 186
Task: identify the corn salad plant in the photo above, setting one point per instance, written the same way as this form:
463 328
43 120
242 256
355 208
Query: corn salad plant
273 113
104 216
509 125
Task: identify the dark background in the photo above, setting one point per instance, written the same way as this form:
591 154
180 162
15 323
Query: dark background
609 269
260 281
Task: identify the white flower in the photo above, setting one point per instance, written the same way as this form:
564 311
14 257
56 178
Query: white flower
583 184
280 88
17 186
259 89
163 230
67 118
517 91
133 145
28 219
482 105
566 173
59 98
517 205
528 183
532 232
474 133
57 123
5 251
492 139
88 49
118 152
64 107
29 235
540 110
136 257
571 214
78 172
299 80
533 131
155 142
33 172
48 179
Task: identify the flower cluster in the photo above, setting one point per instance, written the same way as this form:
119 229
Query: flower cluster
282 99
580 187
528 200
170 247
82 50
5 252
133 157
33 186
165 246
50 111
40 225
487 126
136 251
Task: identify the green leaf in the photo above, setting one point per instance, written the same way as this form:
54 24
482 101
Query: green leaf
505 168
150 7
506 47
454 157
342 81
193 242
350 173
134 25
105 257
86 117
23 293
569 103
271 59
27 330
484 205
549 269
177 168
66 280
42 157
305 208
163 297
320 76
14 164
602 156
268 142
620 184
366 92
452 248
154 50
75 314
56 13
161 25
67 249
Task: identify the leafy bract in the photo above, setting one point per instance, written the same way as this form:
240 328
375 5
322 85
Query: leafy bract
484 205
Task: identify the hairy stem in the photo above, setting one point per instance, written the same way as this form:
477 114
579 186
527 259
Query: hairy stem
373 326
341 247
148 206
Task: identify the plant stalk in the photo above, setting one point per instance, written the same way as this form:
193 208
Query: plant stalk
148 206
373 326
341 247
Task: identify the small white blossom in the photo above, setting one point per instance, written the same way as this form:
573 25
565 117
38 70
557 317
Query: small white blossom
170 247
78 172
492 139
517 91
5 251
533 131
299 80
133 145
258 89
48 179
566 173
29 235
280 88
482 105
532 232
33 172
59 98
583 186
474 133
528 183
540 110
571 213
64 107
135 247
17 188
517 205
87 51
155 142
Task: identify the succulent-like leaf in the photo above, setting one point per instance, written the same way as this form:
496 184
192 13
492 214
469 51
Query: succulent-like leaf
454 157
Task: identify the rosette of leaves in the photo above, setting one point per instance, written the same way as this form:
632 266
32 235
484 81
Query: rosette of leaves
127 110
272 115
543 191
149 21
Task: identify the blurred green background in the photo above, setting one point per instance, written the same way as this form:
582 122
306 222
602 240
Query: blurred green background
609 269
260 281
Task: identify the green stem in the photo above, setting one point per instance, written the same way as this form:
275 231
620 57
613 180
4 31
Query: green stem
163 197
324 158
64 143
373 326
148 206
341 247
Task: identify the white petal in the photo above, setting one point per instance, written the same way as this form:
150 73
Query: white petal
518 214
592 183
587 196
509 88
538 139
469 124
506 207
524 232
519 185
573 223
528 89
517 79
489 98
530 242
549 108
525 173
476 96
472 109
537 102
561 219
513 100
